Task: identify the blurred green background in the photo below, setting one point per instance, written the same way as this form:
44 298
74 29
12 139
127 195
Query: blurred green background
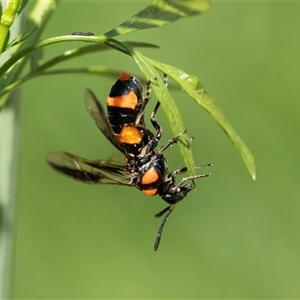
232 238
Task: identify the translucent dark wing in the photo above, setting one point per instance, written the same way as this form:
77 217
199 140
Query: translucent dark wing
89 171
97 112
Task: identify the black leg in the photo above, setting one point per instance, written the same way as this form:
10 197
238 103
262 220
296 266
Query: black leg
170 143
145 102
183 180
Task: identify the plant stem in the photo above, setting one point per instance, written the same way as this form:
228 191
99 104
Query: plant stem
9 140
7 20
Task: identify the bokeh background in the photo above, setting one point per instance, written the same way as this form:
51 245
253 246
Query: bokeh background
232 238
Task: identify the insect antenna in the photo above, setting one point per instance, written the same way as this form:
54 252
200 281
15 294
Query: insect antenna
161 213
167 211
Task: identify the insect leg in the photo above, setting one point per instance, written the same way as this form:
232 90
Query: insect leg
183 180
144 103
170 143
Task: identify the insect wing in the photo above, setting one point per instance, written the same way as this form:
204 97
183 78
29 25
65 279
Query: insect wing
97 112
89 171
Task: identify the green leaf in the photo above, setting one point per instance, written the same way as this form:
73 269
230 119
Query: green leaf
23 36
90 70
42 68
11 69
76 52
164 97
194 88
23 5
160 13
1 9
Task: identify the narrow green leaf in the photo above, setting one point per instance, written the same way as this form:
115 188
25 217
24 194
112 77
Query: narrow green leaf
91 70
12 68
159 13
1 9
194 88
164 97
41 69
23 5
72 53
23 36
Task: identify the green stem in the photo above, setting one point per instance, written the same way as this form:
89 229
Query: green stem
63 57
9 140
60 39
7 20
